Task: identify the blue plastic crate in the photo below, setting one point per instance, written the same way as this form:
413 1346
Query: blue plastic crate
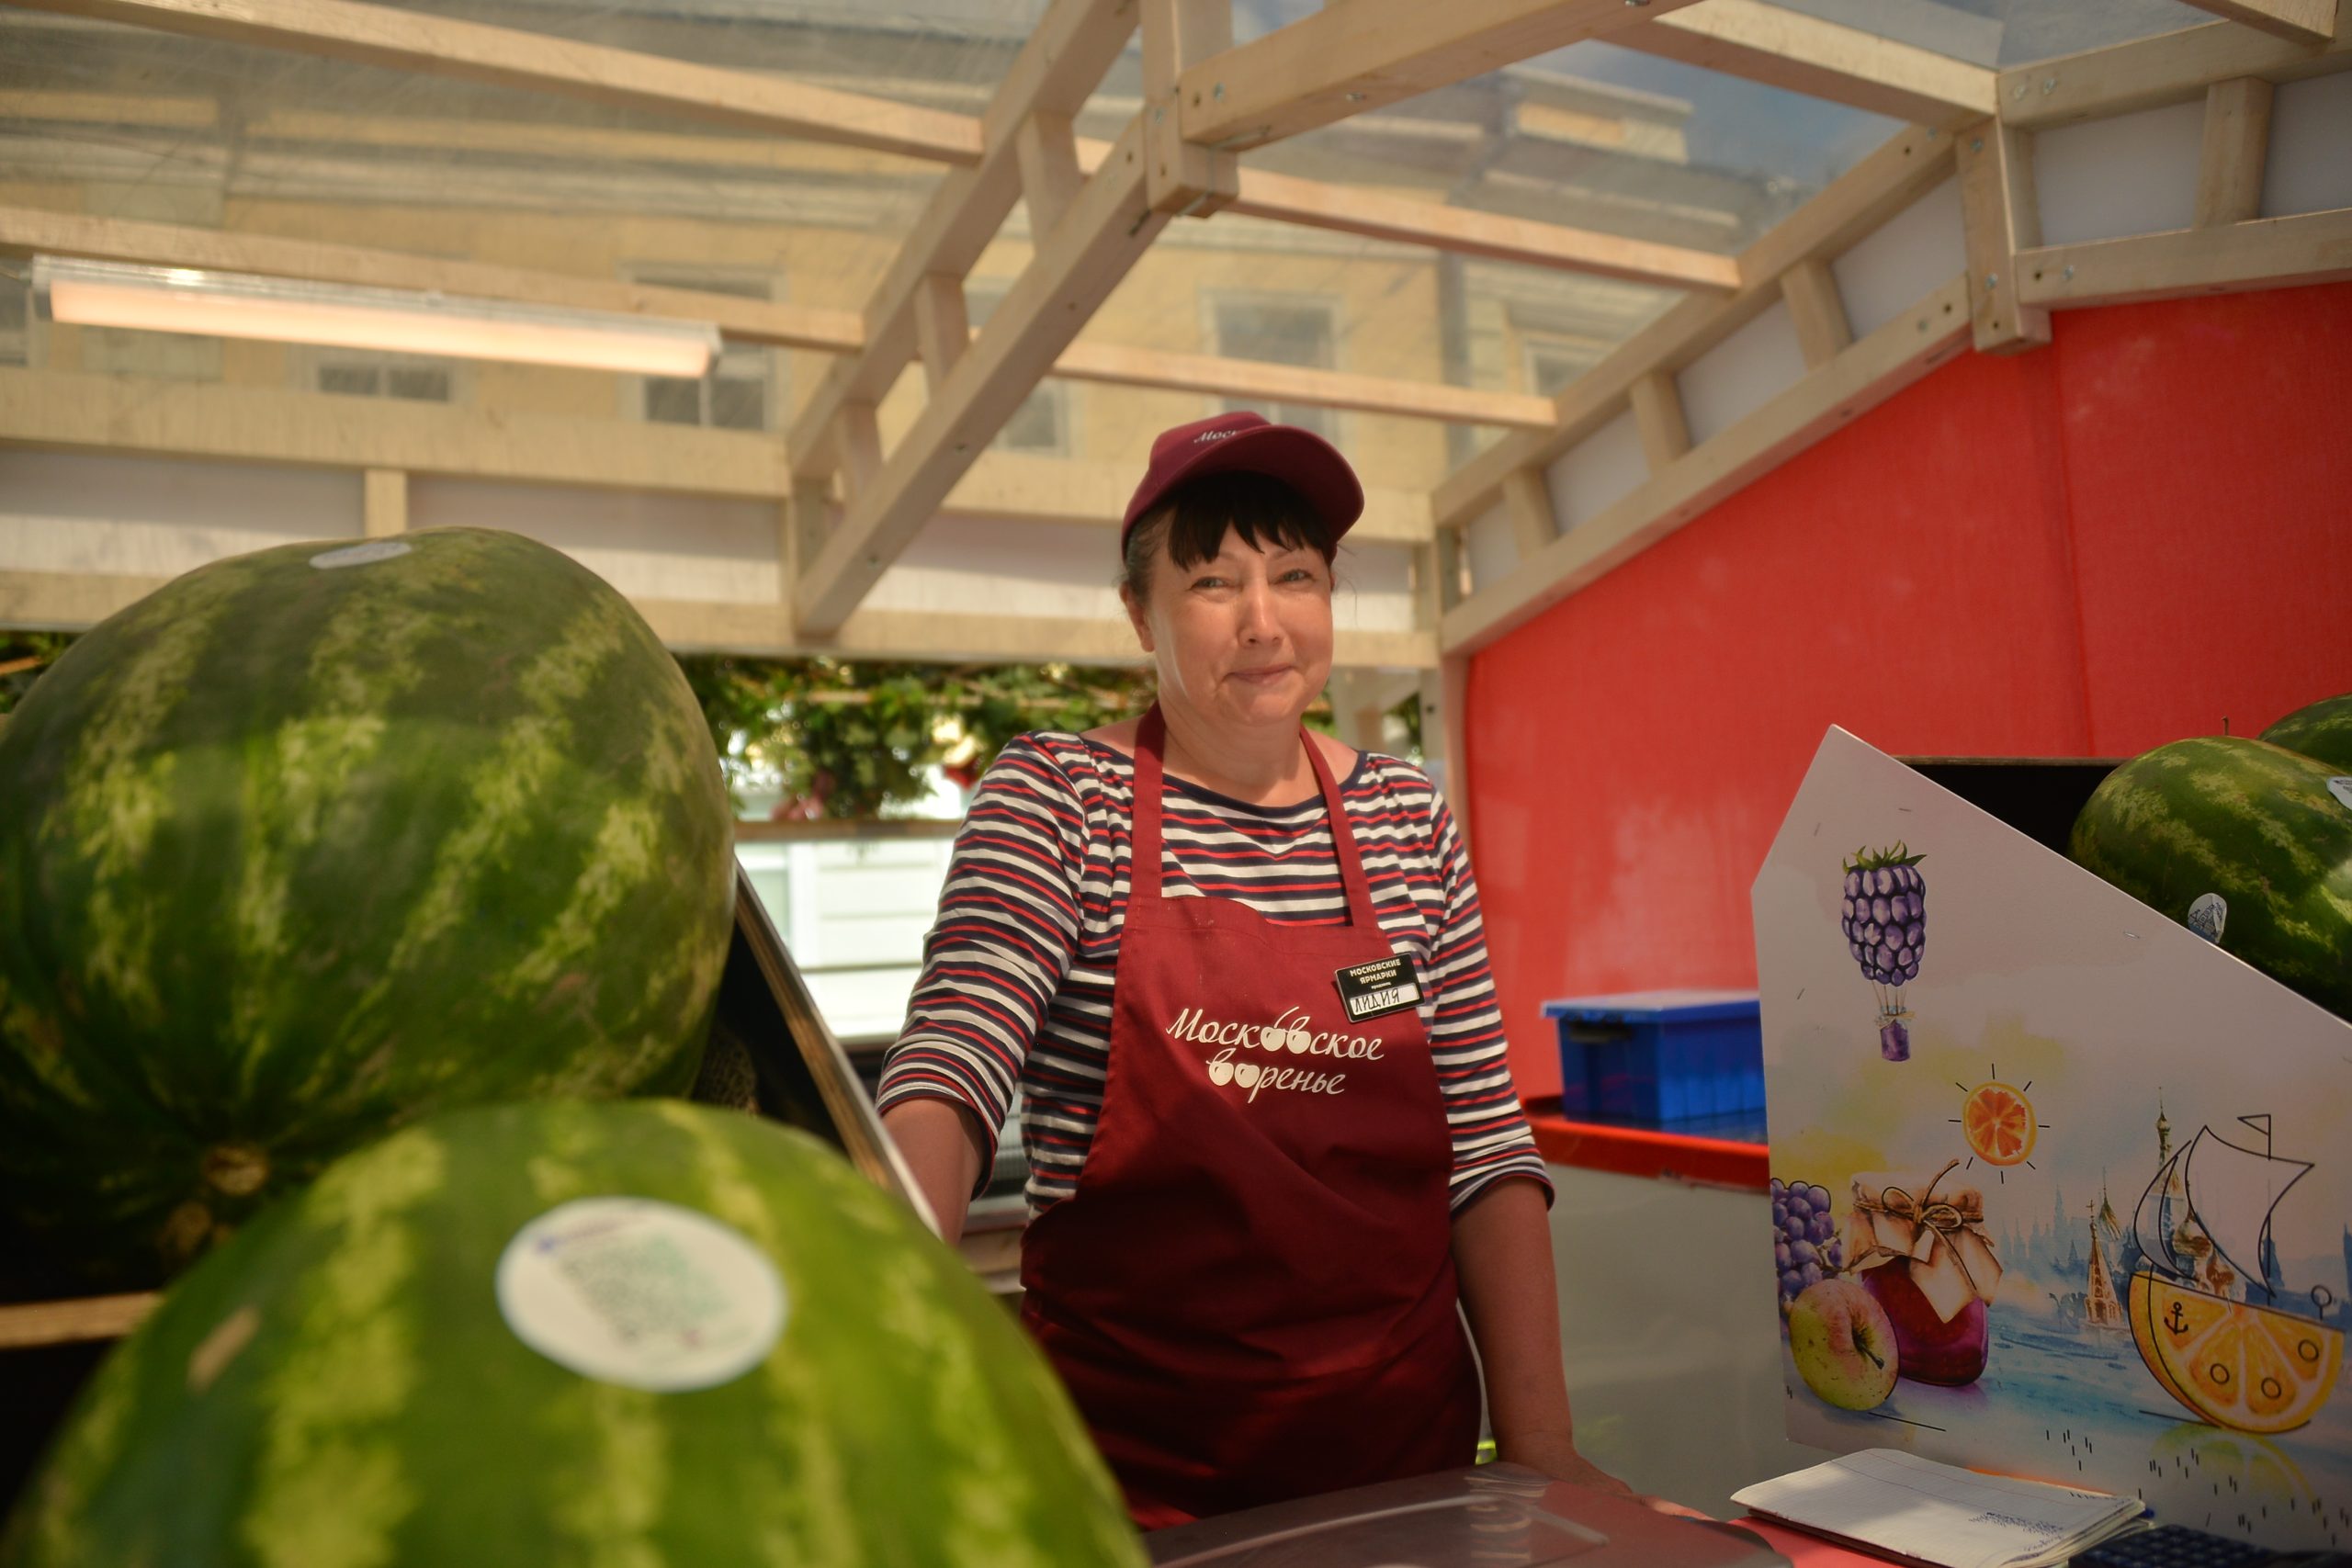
1660 1058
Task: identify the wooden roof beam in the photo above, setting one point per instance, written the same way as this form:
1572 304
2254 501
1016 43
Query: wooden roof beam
2297 21
1464 231
1122 366
1108 227
1064 58
508 57
2170 68
1857 201
1801 53
36 231
1349 59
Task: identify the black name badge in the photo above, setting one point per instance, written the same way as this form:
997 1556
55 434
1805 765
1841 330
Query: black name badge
1385 985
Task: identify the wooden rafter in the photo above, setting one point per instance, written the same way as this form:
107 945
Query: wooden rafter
1867 373
2297 21
2169 68
1801 53
1292 384
1107 229
31 230
1850 207
2265 253
507 57
1351 58
1066 55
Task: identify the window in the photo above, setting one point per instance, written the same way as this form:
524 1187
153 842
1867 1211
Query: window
1281 330
409 377
15 320
739 393
1040 426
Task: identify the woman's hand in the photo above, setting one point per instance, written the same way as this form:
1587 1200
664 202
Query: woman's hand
1558 1459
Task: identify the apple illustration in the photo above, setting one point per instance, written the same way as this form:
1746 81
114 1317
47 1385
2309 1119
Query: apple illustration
1843 1344
1934 1349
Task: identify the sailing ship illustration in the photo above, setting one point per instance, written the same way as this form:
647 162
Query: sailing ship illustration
2202 1233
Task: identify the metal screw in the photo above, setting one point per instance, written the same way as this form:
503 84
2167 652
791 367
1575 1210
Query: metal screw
1219 94
1355 98
1992 280
1977 144
2020 92
2068 275
1637 4
2048 83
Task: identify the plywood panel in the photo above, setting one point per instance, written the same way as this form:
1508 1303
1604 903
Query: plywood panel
2134 175
1741 374
1915 250
151 517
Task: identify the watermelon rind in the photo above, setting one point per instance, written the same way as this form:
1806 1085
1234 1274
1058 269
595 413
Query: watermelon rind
337 1387
2253 823
2321 731
313 841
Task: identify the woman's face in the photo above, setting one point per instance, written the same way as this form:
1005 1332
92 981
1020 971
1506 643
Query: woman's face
1244 638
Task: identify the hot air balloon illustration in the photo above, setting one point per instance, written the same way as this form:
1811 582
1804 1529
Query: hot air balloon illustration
1884 916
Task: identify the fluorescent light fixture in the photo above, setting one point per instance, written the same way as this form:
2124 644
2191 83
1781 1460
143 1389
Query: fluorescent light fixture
284 310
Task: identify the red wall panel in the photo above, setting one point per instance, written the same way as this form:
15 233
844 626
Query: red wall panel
2086 548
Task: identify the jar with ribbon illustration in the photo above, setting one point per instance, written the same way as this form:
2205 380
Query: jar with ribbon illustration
1920 1249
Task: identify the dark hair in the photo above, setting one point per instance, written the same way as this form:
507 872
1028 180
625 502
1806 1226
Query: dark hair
1267 512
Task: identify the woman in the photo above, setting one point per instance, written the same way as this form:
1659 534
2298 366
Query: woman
1236 970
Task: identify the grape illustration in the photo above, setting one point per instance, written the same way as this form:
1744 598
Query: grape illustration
1884 917
1806 1247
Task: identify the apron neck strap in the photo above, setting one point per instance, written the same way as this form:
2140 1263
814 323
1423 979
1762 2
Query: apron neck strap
1142 871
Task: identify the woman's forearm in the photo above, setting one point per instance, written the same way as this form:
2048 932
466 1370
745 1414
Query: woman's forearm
941 1141
1502 1255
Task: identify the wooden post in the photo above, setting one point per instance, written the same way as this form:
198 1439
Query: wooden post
2000 219
1180 177
861 447
1657 414
383 499
1819 311
1528 500
2236 145
1047 152
943 328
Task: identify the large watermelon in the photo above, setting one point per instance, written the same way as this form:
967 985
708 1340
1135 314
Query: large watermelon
2251 825
346 1382
2321 731
312 840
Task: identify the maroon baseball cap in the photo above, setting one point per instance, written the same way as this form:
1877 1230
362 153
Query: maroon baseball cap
1246 442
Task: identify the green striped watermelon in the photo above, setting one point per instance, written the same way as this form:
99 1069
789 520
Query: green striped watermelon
2321 731
2249 824
312 840
345 1383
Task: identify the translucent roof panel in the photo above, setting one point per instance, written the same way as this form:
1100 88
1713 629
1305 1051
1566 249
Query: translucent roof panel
122 121
2007 32
946 54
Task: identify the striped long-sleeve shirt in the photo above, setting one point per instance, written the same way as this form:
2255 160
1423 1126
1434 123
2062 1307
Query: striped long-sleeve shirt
1015 989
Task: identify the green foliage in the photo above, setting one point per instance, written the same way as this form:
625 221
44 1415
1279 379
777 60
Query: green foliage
851 739
23 656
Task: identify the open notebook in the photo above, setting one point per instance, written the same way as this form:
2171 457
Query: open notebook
1886 1501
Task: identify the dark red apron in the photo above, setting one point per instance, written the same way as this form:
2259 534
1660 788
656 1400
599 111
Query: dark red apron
1250 1294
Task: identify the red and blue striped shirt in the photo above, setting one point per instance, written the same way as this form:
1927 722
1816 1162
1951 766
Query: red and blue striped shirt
1015 990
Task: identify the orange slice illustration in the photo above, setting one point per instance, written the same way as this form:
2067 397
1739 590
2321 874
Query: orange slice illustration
2253 1369
1998 1122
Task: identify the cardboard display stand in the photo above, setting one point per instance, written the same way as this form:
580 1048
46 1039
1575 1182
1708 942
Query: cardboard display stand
2095 1170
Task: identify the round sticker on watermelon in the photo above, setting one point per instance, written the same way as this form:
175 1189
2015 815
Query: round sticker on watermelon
361 555
2340 786
639 1292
